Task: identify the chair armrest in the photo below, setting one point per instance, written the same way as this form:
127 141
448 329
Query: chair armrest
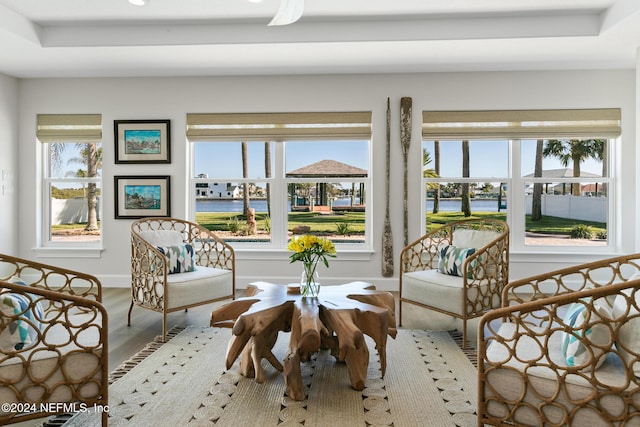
488 264
423 254
212 251
536 327
571 279
76 356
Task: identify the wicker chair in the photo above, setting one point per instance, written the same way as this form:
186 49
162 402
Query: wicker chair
472 288
53 341
155 287
564 350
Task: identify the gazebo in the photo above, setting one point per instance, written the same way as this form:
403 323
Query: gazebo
319 201
563 173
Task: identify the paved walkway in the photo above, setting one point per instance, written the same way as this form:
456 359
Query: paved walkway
534 239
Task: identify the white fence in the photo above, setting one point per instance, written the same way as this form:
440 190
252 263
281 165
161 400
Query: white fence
70 211
568 206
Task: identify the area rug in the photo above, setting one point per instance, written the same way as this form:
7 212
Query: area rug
183 382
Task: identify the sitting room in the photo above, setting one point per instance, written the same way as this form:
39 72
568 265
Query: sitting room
289 212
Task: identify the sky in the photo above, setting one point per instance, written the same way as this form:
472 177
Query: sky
491 159
220 160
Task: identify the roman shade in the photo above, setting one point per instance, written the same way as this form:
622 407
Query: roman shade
81 128
521 124
278 126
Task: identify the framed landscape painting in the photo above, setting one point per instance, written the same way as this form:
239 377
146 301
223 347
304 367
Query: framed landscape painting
142 196
143 141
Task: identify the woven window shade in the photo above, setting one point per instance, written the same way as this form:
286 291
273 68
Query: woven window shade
278 126
520 124
81 128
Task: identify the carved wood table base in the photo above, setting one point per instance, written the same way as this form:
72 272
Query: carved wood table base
337 319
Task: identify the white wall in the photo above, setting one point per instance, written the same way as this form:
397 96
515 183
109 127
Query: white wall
172 98
8 165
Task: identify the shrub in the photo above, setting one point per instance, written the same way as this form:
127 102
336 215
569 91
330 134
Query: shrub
343 228
601 234
233 224
267 225
581 231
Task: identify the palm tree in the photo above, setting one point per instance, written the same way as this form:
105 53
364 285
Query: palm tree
91 156
466 199
430 173
436 194
267 174
574 151
536 203
245 174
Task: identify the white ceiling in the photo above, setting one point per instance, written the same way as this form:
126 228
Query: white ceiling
99 38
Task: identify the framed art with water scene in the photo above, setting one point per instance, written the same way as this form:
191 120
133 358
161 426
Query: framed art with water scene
142 141
142 196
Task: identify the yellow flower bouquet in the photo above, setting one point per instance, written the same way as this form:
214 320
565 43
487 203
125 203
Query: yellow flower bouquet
310 250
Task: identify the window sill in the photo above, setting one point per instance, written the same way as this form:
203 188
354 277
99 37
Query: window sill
68 252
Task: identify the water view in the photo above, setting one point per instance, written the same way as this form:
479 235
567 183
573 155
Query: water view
259 205
446 205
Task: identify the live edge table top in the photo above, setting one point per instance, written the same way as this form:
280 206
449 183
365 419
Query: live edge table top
337 319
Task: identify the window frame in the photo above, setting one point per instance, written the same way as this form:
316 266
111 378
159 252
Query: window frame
66 129
278 128
462 125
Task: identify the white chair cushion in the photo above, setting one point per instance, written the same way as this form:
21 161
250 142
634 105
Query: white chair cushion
464 238
203 284
433 288
162 237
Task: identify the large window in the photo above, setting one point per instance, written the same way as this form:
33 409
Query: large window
259 179
544 171
72 171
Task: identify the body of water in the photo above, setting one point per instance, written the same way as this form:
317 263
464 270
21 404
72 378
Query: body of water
446 205
455 205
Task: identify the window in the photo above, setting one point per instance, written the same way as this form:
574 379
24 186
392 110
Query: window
72 187
544 171
300 173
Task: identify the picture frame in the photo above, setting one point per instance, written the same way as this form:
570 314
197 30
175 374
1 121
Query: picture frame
142 196
142 141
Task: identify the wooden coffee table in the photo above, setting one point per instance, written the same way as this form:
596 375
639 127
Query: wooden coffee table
337 319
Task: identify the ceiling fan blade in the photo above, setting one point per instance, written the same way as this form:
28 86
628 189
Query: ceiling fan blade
288 12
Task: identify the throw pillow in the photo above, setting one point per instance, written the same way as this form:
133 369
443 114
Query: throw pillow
452 259
180 258
628 340
23 330
587 329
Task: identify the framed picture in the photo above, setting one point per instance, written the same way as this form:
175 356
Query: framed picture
143 141
142 196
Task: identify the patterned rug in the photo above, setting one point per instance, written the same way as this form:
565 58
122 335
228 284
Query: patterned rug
429 381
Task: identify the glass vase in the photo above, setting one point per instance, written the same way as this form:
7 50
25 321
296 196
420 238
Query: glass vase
309 281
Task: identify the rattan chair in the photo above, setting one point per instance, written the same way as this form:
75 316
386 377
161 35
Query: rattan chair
53 341
564 350
473 286
154 286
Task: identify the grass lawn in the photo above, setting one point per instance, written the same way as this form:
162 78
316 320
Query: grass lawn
319 223
328 224
548 224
